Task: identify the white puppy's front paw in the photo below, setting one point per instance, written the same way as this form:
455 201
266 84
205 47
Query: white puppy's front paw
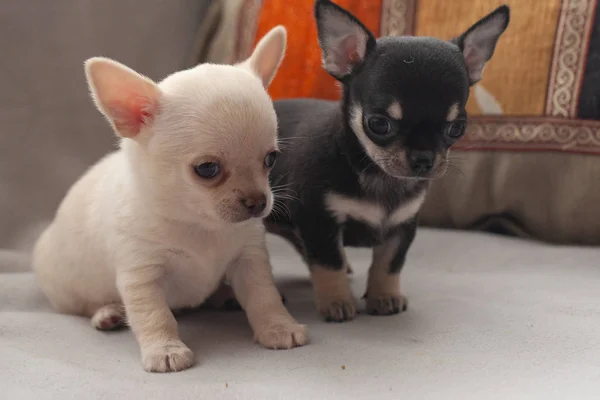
171 357
284 335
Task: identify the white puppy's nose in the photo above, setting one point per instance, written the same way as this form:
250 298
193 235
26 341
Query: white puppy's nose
255 204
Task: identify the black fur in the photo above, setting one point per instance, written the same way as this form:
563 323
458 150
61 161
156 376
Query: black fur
321 152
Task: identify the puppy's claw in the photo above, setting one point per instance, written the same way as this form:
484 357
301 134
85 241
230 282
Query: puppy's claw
282 336
171 357
338 311
386 304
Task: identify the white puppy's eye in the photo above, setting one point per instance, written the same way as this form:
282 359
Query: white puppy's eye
270 159
207 170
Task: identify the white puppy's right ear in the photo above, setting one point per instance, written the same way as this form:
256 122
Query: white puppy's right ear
267 55
127 99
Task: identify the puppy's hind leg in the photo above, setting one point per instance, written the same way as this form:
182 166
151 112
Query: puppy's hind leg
109 317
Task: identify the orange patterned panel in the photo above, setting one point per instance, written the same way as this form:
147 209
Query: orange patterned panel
517 77
301 74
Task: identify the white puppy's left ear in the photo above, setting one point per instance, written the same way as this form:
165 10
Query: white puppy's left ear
268 54
127 99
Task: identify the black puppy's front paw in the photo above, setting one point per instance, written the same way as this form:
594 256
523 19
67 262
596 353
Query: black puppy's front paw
338 310
388 304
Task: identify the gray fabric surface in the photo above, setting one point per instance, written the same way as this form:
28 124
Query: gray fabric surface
489 318
50 131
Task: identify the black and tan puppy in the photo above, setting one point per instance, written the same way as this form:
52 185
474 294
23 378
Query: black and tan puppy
357 171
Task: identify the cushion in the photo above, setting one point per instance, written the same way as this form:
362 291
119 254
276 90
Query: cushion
50 131
529 163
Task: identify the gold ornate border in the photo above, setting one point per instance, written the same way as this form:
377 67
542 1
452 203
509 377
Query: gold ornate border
568 62
532 134
397 17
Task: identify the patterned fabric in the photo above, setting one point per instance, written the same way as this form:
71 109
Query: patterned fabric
539 95
545 65
536 76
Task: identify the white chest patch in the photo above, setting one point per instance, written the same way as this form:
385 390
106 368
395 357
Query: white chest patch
197 262
407 210
344 207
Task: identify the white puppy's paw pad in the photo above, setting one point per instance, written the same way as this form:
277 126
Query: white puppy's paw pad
167 358
109 317
283 336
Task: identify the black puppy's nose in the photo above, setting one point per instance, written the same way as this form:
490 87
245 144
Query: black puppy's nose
421 161
255 203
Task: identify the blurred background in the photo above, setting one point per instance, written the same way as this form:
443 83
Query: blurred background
490 317
529 165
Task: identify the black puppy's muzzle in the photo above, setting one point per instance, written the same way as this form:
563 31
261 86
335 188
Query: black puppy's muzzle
421 162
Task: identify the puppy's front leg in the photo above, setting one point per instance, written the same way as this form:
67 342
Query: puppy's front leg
252 281
323 243
151 320
383 289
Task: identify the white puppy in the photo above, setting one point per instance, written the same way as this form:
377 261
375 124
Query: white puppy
157 225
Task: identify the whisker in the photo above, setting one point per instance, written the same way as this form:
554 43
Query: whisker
280 178
276 213
282 209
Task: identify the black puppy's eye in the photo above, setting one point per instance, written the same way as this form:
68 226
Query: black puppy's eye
455 130
379 125
207 170
270 159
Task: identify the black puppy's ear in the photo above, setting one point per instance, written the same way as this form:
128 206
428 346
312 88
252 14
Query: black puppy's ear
344 40
479 41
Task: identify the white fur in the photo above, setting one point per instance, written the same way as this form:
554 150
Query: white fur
140 229
370 212
343 207
266 58
406 210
